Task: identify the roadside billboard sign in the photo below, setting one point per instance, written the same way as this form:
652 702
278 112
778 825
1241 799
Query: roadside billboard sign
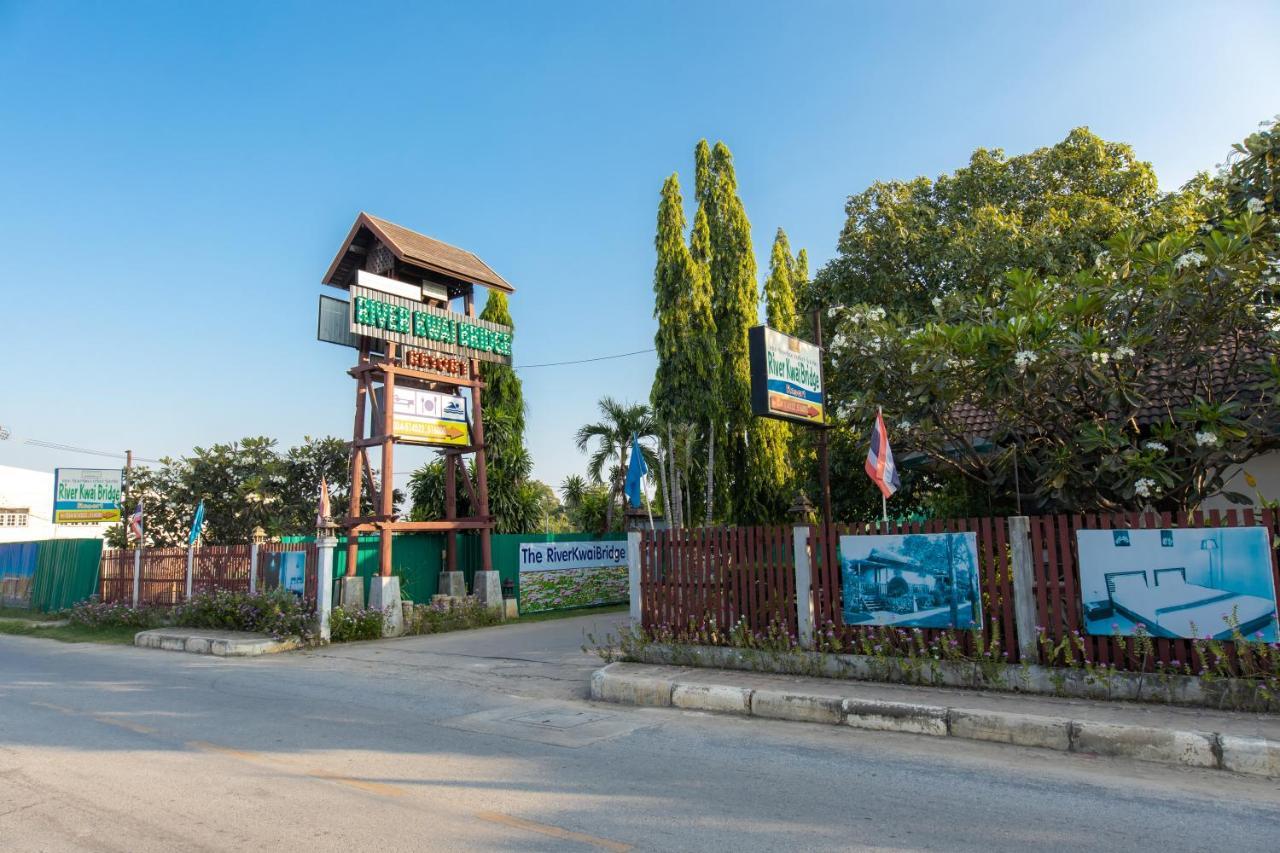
429 417
86 495
388 317
786 377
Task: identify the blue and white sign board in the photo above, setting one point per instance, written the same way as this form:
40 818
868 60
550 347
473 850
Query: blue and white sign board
293 571
552 556
86 495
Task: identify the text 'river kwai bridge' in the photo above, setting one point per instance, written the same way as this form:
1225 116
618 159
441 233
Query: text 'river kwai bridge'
417 382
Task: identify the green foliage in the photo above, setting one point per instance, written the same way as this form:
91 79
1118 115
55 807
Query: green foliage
587 506
611 437
277 612
348 624
1146 378
244 484
97 614
451 615
514 500
1051 211
685 341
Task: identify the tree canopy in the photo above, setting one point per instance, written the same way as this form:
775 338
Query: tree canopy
1050 210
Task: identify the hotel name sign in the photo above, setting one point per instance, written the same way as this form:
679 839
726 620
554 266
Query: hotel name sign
389 317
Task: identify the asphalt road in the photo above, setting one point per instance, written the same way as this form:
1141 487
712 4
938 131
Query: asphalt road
482 740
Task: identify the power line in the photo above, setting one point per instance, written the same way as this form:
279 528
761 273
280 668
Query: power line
586 360
71 448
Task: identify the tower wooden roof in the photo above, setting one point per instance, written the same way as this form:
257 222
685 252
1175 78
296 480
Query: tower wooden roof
418 251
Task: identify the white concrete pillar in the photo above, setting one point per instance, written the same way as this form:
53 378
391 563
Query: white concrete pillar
190 566
804 584
137 573
633 575
1022 563
253 567
324 581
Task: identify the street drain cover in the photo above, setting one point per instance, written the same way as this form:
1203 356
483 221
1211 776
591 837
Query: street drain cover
560 720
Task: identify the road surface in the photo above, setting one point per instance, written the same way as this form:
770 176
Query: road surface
482 740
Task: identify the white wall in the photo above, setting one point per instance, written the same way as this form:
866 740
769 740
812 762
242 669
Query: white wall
1265 469
23 487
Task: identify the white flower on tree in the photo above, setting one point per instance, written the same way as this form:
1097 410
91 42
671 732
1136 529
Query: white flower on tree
1122 352
937 302
1145 487
1256 205
1100 357
1189 259
1207 439
1156 447
1025 357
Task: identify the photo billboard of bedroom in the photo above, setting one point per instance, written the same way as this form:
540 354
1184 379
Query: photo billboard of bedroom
1183 583
916 580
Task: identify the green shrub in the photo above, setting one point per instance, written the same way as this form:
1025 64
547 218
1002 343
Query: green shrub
446 615
277 612
347 624
97 614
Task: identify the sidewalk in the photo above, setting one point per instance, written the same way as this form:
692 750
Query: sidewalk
1194 737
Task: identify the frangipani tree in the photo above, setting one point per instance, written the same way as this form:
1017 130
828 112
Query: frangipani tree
1145 380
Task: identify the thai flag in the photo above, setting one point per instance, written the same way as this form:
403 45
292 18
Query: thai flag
880 467
135 522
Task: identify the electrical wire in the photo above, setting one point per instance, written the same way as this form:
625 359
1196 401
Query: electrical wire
585 360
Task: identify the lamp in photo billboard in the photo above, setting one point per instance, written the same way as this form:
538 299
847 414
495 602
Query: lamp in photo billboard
786 377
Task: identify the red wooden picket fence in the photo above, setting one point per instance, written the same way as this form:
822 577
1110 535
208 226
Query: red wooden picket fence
163 577
688 577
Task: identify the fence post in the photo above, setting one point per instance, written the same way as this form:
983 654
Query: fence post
190 560
1024 596
253 567
325 543
137 573
633 574
804 585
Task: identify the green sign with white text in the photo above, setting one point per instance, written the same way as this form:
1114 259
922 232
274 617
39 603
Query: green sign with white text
395 318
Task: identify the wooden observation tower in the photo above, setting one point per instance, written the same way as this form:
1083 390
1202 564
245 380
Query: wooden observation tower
418 382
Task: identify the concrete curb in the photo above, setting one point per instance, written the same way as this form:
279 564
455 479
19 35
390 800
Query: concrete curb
1247 755
213 643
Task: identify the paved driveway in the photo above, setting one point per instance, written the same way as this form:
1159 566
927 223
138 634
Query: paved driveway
480 741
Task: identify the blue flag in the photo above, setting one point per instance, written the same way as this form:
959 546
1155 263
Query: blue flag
636 469
196 523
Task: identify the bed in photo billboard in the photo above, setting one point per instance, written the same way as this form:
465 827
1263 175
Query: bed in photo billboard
1178 583
913 580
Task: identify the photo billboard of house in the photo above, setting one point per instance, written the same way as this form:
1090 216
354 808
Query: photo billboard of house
1193 582
915 580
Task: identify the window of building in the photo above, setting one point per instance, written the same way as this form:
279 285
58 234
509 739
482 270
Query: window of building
12 517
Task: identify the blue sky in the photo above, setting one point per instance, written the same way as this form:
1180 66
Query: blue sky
177 176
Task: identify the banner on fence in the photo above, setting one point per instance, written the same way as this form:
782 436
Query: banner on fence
914 580
86 495
560 575
1184 583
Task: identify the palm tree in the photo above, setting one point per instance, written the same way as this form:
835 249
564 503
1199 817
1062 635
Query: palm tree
613 431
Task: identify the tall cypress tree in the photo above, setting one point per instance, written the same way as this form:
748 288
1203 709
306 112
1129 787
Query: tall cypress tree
685 341
779 287
734 307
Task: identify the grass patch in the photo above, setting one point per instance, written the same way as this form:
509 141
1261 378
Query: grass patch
23 613
72 633
549 615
